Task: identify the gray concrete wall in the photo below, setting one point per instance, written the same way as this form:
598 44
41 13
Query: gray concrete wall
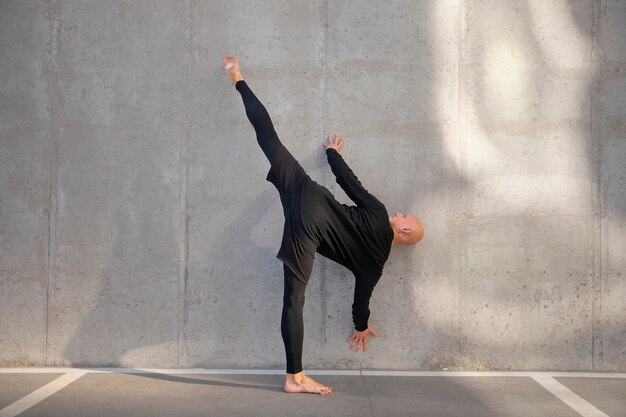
137 228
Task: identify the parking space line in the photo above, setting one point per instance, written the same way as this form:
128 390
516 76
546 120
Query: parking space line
545 379
176 371
40 394
496 374
338 372
576 402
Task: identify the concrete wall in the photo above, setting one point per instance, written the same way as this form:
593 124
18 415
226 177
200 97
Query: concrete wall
137 228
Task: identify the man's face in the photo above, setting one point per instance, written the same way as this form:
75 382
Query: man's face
398 214
405 220
402 219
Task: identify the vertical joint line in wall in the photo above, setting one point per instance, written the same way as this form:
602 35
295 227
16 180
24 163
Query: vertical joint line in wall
182 201
45 355
323 261
596 137
54 12
461 161
599 179
325 39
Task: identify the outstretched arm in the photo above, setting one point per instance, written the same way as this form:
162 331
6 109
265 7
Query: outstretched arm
346 178
360 313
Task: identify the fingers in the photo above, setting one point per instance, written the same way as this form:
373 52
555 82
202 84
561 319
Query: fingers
337 141
373 332
356 343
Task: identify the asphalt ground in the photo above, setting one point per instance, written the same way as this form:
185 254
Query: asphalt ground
103 392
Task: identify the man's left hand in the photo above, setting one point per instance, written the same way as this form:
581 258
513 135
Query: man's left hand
359 339
335 144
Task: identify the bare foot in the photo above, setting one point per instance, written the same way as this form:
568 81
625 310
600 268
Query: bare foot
233 70
303 383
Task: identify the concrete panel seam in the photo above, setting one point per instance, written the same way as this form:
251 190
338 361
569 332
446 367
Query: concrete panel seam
54 12
183 163
461 137
51 51
323 270
596 138
367 392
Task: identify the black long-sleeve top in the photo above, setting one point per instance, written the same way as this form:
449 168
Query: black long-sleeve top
357 237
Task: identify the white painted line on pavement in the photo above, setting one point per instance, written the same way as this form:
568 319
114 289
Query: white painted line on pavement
34 370
331 372
579 404
495 374
173 371
183 371
40 394
364 372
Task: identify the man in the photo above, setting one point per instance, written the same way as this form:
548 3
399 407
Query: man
357 237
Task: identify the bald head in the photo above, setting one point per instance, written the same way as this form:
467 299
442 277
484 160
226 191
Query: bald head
407 228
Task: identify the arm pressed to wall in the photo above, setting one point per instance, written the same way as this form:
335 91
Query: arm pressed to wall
360 313
349 182
363 289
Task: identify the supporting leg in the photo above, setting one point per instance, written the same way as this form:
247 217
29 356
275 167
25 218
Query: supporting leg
292 322
292 330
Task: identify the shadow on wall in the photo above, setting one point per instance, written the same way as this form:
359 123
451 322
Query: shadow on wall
238 302
527 298
525 106
524 297
226 290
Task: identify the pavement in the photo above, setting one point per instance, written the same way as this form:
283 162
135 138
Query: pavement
103 392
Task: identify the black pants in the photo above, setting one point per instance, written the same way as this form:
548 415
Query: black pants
292 323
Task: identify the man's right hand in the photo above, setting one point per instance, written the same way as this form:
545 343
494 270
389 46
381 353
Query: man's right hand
360 338
335 144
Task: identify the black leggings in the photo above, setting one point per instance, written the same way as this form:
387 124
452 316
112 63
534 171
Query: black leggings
292 322
260 119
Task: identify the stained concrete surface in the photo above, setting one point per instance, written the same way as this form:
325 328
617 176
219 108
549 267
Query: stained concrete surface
476 396
199 395
15 386
137 228
149 394
608 395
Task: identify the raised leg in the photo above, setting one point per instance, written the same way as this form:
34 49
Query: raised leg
257 114
259 117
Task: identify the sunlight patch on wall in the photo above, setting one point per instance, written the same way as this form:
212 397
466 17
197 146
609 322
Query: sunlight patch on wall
561 40
507 79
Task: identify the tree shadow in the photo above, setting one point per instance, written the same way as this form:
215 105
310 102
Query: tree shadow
476 284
